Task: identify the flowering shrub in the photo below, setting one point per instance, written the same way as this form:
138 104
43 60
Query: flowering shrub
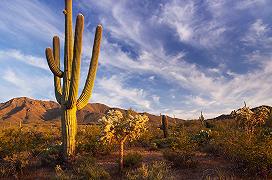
202 137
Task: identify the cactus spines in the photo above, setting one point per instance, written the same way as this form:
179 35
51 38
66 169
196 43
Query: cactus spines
164 126
67 95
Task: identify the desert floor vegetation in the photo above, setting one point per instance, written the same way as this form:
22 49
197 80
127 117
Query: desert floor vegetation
191 151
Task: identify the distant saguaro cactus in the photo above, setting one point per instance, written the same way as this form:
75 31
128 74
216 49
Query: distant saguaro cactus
202 119
67 96
164 125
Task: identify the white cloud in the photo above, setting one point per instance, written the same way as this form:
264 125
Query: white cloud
222 94
14 54
188 22
19 84
28 18
257 34
112 91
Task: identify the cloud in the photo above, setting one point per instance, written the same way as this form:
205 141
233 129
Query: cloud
190 25
16 83
142 64
14 54
258 35
28 18
115 93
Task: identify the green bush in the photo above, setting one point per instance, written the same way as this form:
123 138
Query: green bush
252 155
87 168
180 159
203 137
155 171
17 140
132 160
88 141
51 156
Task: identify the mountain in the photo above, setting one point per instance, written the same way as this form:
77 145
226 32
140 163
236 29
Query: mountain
36 111
230 116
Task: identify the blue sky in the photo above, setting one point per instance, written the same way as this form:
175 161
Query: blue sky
164 56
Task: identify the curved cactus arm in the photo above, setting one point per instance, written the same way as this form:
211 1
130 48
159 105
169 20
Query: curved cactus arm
76 62
89 84
52 64
57 80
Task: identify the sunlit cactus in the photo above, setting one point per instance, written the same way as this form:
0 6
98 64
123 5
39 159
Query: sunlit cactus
164 125
202 119
119 128
67 95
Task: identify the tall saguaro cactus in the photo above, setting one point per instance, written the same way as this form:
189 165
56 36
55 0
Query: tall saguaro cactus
67 95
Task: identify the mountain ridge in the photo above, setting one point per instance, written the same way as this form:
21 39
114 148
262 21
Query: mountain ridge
30 110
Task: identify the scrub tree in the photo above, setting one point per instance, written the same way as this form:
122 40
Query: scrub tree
117 128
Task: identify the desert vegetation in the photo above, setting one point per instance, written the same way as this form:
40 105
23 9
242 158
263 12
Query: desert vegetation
127 140
125 144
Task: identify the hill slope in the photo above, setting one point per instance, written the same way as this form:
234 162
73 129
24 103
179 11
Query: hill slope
29 110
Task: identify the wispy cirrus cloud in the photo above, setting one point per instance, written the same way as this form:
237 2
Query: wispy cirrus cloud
174 57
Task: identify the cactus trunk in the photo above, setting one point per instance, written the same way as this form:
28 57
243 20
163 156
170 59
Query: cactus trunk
67 95
69 129
164 125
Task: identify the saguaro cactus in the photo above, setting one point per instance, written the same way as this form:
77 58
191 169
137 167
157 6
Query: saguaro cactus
164 125
67 96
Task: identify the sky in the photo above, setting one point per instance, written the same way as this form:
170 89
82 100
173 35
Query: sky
175 57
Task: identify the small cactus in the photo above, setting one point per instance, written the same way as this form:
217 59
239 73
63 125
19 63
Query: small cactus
202 119
164 125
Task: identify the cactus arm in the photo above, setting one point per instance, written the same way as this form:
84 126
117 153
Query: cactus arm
89 84
68 49
76 62
52 63
57 80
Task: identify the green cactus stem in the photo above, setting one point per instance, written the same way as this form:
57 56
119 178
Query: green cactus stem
67 94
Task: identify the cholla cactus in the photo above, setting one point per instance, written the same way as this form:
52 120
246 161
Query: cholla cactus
118 128
67 96
249 120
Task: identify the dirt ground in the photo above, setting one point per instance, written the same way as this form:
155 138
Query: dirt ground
209 166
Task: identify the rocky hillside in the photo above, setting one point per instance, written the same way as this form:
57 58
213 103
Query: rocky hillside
29 110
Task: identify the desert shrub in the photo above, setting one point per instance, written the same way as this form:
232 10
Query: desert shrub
251 155
84 167
61 174
165 142
249 120
147 138
17 140
179 140
87 168
155 171
16 163
203 137
132 159
88 141
180 159
51 156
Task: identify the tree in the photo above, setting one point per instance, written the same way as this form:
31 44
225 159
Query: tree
119 128
249 120
67 95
